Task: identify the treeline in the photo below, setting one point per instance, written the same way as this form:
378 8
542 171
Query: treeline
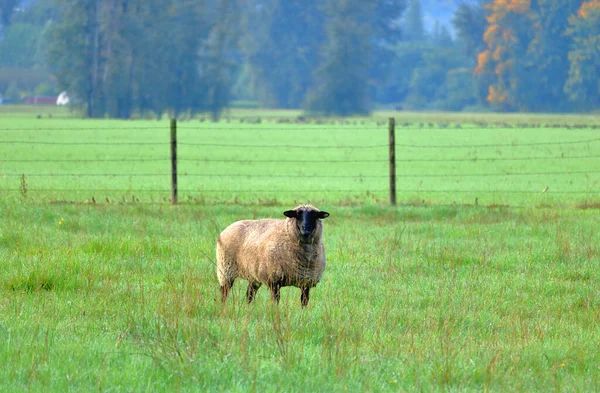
533 55
117 57
124 58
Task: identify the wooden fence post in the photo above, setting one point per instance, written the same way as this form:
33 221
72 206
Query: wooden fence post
174 161
392 132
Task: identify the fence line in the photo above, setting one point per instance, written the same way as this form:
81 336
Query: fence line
392 160
308 176
249 160
81 143
326 127
260 191
91 160
192 144
315 146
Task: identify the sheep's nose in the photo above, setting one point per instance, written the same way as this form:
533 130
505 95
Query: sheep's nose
305 230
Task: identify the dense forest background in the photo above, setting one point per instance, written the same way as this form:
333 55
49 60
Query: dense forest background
124 58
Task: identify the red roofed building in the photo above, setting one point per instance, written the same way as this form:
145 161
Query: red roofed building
40 100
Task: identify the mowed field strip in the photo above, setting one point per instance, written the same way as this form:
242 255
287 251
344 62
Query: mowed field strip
106 286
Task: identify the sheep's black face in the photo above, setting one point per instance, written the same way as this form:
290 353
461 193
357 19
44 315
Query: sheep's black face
306 221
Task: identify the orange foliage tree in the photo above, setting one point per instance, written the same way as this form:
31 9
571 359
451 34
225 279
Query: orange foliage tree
510 30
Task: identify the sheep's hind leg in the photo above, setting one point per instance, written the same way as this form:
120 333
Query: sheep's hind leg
304 296
225 289
251 291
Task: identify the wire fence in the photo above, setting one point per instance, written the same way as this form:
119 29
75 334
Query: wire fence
353 161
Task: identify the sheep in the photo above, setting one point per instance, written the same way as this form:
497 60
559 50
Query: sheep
273 252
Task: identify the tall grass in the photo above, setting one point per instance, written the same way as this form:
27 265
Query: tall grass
435 298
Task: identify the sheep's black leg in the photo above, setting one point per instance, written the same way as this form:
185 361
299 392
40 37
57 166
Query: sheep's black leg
304 296
275 292
251 291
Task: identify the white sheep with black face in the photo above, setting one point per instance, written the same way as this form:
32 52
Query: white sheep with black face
275 253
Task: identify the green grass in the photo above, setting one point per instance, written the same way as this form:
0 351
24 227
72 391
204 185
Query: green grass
124 298
437 294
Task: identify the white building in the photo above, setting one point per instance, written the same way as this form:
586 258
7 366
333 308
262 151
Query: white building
62 99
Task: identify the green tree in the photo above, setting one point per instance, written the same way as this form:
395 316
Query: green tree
217 62
547 59
340 84
20 45
120 57
433 81
440 35
386 34
7 7
414 26
74 53
281 45
406 57
469 21
583 84
21 40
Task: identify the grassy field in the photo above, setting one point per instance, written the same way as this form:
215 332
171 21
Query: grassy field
437 294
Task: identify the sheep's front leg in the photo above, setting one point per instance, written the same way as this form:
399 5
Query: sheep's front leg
275 287
252 288
304 296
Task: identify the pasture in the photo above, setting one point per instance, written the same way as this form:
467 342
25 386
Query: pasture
485 277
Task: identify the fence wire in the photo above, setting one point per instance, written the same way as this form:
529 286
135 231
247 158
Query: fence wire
307 176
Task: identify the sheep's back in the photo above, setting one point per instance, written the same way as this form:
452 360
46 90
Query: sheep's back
248 244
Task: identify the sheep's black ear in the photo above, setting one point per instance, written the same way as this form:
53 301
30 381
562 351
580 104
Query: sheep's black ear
323 215
290 213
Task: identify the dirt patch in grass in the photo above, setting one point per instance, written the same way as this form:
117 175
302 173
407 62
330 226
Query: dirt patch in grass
588 205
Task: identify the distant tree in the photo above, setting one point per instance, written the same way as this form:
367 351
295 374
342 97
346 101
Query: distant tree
182 58
386 30
217 63
441 36
119 57
21 40
413 21
435 77
7 8
386 23
547 56
20 45
583 83
458 92
470 22
407 57
284 42
281 44
74 47
525 62
508 35
340 84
